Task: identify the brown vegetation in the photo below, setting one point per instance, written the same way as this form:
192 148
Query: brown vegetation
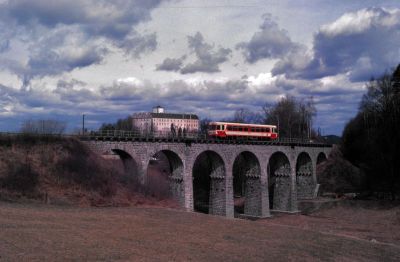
338 175
65 171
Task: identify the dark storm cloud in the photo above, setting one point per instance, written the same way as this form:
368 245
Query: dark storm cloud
137 44
63 35
53 63
361 44
269 42
113 19
207 59
171 64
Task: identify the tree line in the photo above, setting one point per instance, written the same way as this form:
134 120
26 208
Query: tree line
371 140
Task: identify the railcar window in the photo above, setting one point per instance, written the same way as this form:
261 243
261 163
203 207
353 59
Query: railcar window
223 127
253 129
218 127
229 128
268 130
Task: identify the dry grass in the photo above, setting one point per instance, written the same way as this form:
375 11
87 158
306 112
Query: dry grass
51 233
65 171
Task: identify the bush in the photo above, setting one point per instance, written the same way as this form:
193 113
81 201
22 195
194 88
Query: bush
21 177
83 168
338 175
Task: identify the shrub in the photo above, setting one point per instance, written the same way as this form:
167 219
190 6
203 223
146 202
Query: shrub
21 177
82 167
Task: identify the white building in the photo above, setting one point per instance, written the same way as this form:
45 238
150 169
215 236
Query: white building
159 121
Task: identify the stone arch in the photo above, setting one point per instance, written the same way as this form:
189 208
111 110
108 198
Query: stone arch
304 176
279 182
209 194
164 176
247 184
130 165
321 158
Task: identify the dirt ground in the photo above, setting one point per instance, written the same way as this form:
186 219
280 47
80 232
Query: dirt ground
33 232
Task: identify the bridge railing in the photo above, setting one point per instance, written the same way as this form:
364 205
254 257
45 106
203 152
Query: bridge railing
136 134
187 135
123 134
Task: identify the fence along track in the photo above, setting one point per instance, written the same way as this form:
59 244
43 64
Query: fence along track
122 135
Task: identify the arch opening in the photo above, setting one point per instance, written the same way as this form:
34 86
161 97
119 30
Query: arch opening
321 158
279 182
164 178
304 177
129 164
209 184
247 185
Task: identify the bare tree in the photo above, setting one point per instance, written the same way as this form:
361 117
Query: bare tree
204 125
244 115
293 117
121 124
48 126
371 140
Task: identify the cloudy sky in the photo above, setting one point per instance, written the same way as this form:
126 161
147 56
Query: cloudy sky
110 58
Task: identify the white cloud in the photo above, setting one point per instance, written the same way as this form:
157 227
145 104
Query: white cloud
360 44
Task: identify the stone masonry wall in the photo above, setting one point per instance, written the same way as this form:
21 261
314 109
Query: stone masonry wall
221 188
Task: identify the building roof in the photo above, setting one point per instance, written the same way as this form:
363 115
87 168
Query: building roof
165 115
174 116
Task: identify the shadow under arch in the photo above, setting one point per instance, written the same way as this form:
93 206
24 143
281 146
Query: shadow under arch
279 182
129 163
321 158
247 184
209 194
164 178
304 176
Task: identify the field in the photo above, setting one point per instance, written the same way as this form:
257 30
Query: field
35 232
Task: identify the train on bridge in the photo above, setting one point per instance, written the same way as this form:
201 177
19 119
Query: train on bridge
227 130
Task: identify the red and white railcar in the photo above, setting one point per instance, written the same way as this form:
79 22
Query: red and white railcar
245 131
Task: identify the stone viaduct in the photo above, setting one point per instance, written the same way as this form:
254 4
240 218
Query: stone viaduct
210 177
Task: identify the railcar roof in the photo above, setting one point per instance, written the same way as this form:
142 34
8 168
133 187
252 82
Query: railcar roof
240 124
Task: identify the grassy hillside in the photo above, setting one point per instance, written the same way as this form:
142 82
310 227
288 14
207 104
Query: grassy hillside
64 171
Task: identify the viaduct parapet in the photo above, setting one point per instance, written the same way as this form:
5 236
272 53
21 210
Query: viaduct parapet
207 176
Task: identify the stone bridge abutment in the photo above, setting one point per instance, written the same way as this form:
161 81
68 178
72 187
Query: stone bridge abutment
224 179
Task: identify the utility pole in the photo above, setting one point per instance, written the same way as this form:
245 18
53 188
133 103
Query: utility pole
83 124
